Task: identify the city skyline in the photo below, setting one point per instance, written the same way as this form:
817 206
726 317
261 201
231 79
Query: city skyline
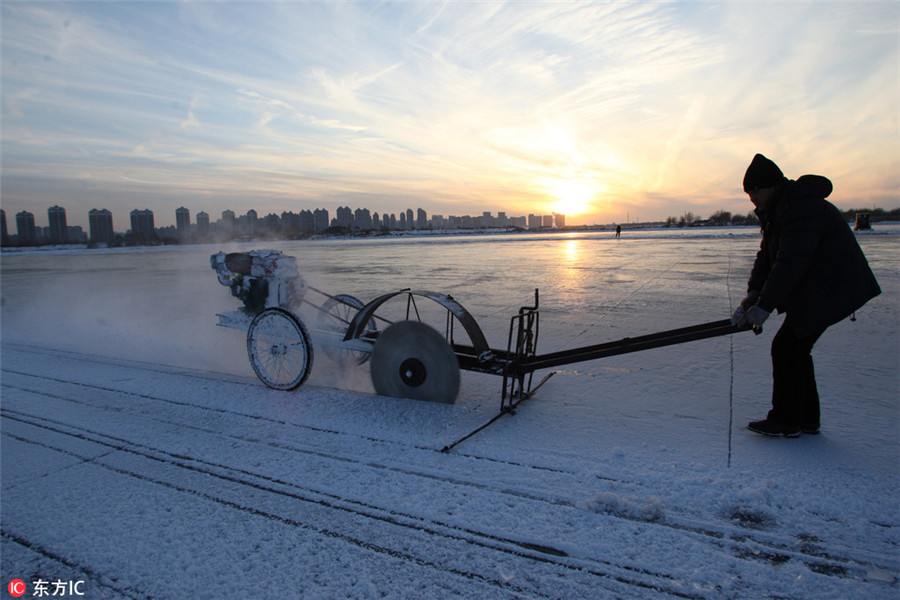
142 223
593 110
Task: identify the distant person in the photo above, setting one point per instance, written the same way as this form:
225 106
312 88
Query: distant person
809 267
618 231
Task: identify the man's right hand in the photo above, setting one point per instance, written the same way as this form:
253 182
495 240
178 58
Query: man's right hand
748 301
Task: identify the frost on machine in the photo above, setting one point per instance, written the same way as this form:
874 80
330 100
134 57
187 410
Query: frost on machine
260 279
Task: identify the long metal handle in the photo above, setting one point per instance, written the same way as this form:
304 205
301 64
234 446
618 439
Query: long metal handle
633 344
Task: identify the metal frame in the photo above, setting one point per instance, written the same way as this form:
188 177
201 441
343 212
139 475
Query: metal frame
518 362
480 346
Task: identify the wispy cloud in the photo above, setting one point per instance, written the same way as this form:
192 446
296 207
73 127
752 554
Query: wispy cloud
455 107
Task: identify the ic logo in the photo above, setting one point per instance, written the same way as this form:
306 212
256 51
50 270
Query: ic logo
16 588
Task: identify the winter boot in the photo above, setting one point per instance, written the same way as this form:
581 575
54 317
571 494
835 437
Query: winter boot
773 428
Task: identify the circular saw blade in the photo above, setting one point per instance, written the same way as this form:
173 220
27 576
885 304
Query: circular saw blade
412 360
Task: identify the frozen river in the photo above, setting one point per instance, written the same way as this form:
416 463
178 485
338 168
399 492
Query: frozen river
141 456
158 304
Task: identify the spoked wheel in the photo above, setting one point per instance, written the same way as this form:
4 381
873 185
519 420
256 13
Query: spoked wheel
412 360
279 349
334 318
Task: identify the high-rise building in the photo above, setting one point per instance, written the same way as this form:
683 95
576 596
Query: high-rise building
271 223
409 219
362 219
56 216
421 219
101 226
560 220
320 220
25 228
202 223
183 221
344 218
306 222
228 221
4 233
252 221
142 224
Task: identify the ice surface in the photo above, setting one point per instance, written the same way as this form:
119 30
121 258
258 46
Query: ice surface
140 455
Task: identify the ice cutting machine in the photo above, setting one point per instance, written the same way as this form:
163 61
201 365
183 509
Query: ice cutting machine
409 358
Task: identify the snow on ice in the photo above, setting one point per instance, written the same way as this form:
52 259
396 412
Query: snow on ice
141 457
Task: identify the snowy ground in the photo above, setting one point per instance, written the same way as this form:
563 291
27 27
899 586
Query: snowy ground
630 477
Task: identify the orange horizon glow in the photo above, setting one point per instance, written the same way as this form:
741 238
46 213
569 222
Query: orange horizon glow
603 112
573 198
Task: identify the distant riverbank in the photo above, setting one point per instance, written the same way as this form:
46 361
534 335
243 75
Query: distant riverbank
635 231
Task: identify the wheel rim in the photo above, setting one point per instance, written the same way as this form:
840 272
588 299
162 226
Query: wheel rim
334 318
279 349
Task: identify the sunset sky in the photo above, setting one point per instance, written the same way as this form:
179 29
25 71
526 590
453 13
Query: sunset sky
603 111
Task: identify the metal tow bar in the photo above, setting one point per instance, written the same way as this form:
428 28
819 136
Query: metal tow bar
633 344
519 370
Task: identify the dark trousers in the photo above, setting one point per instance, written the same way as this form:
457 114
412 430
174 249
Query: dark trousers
795 397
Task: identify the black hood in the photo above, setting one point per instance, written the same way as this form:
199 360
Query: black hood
814 185
808 186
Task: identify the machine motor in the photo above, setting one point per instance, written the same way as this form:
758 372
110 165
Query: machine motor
260 279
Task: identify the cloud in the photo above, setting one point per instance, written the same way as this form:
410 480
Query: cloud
474 104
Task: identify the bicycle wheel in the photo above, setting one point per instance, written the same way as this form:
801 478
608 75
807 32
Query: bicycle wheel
334 317
279 349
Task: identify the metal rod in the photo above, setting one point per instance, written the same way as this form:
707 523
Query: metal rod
336 299
634 344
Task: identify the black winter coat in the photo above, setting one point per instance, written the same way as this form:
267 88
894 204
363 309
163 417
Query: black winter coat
809 264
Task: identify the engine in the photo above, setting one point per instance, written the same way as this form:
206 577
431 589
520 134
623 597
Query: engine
260 279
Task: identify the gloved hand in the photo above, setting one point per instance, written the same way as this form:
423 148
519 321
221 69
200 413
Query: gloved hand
755 316
748 301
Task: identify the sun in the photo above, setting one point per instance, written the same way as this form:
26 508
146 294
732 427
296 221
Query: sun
573 197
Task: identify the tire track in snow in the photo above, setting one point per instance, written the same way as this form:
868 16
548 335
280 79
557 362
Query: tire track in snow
610 572
740 545
740 542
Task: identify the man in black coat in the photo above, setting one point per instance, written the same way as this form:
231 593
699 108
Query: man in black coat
810 267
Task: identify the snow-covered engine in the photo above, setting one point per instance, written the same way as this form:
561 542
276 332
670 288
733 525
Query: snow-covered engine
260 279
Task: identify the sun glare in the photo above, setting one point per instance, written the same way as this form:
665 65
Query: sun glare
572 197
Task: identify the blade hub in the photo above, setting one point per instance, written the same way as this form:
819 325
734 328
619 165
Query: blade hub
413 372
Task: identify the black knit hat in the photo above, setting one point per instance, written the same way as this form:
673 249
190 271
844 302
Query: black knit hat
762 173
